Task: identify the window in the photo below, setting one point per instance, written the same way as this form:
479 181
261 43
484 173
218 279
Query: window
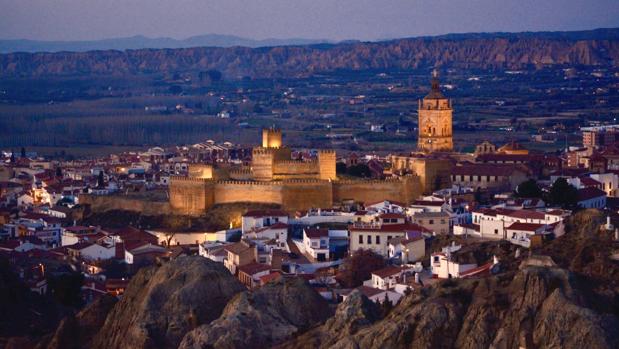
360 238
496 231
388 237
420 221
436 259
369 239
442 221
378 239
431 221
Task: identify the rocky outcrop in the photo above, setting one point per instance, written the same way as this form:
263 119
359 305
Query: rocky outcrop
161 304
77 331
536 307
260 319
356 312
467 50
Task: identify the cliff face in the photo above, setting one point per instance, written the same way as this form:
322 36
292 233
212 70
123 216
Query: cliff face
474 51
75 332
271 314
162 304
538 308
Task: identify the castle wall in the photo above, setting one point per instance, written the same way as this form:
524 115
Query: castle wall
404 189
247 191
190 196
305 194
295 169
102 203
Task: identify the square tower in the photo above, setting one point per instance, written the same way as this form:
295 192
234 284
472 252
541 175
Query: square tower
435 121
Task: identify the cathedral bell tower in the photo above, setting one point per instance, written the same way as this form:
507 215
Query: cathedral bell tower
435 121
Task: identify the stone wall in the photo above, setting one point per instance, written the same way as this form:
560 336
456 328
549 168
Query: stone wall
191 196
248 191
102 203
404 189
295 169
305 194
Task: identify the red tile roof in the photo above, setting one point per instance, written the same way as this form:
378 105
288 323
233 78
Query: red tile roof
525 226
387 271
590 193
315 233
386 228
254 268
392 215
369 291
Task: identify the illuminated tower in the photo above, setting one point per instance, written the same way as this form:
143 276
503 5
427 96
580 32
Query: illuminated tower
271 138
435 120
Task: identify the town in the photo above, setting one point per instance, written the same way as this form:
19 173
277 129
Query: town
385 225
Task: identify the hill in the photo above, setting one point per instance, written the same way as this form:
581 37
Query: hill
485 50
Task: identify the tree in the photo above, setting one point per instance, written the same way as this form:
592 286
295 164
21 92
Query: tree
528 189
563 194
386 305
12 156
360 170
58 172
359 267
340 168
100 180
66 288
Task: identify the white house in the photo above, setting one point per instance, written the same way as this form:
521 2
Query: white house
377 295
316 243
444 264
408 249
493 223
277 232
92 251
75 234
521 233
262 218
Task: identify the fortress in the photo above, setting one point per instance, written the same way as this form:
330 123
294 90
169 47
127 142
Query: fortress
274 177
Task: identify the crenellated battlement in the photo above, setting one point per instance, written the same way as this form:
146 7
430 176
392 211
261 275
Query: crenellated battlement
263 151
190 179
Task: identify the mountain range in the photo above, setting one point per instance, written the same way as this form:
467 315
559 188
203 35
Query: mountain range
140 42
476 50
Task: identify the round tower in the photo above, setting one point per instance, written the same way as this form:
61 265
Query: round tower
271 138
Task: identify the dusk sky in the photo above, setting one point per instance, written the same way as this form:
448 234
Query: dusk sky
314 19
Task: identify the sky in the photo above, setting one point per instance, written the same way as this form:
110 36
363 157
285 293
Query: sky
311 19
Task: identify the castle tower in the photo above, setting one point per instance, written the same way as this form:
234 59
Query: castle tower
326 164
435 120
271 138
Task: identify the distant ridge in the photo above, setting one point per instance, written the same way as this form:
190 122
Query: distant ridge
142 42
218 40
598 48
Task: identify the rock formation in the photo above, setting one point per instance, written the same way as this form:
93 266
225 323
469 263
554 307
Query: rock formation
76 332
260 319
512 51
162 304
539 307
